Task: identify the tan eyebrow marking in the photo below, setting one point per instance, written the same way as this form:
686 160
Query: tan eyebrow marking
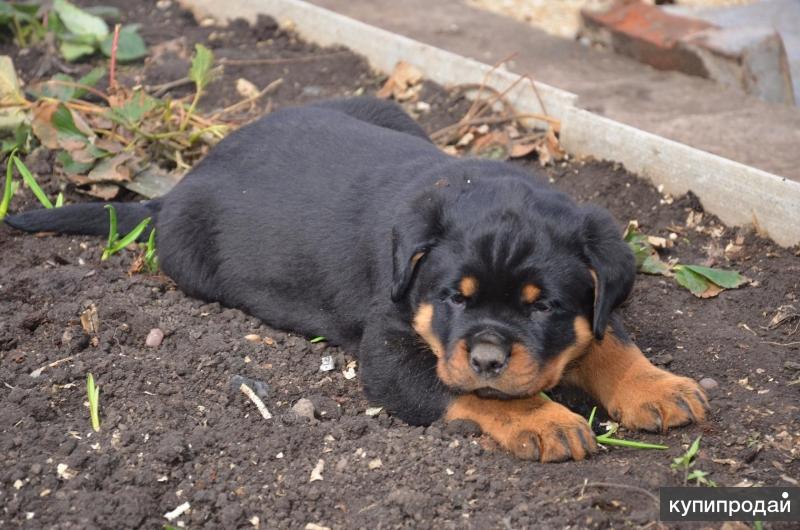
468 286
530 293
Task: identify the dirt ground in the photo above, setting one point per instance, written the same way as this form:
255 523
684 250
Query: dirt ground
174 430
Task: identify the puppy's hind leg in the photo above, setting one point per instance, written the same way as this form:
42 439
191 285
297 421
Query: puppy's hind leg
378 112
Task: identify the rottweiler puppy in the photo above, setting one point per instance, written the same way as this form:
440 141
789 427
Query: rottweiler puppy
465 286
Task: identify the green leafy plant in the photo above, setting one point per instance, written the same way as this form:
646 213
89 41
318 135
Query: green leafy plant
12 102
150 258
27 177
607 438
82 33
686 462
103 141
703 282
202 74
9 189
706 282
23 22
316 340
93 393
116 243
79 32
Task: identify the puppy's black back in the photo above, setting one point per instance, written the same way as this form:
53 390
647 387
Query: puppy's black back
280 219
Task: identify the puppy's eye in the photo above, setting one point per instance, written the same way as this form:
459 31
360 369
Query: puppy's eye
457 299
538 308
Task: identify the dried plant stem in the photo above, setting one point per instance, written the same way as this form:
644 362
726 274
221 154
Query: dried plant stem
81 86
252 99
112 70
490 121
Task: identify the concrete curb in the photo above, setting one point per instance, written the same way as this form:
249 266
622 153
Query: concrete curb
738 194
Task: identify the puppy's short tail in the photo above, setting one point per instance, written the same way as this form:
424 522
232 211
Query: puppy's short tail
88 218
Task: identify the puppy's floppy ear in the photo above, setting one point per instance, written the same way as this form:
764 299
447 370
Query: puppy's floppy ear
414 234
611 262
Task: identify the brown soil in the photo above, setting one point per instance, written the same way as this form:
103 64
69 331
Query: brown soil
173 431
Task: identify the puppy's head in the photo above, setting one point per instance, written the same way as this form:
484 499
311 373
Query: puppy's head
507 284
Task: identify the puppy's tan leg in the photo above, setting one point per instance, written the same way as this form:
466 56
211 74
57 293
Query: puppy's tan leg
632 390
530 428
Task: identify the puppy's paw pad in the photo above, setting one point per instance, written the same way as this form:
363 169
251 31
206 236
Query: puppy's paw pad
659 402
561 435
525 446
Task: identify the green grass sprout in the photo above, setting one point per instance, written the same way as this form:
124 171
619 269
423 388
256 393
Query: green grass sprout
115 243
201 73
9 190
29 180
607 438
592 415
686 462
150 258
316 340
93 393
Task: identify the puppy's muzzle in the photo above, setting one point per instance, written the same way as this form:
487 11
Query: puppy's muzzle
488 354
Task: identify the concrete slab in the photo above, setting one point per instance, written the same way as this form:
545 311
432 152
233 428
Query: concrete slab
690 110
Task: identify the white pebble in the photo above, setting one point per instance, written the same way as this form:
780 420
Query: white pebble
154 338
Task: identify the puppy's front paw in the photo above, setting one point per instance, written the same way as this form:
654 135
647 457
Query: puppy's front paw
530 428
654 400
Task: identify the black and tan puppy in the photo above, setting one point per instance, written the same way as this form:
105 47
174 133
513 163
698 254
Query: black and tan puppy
465 286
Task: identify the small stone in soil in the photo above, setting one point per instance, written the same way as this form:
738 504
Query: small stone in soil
304 408
792 365
259 387
708 384
316 473
327 364
154 338
663 359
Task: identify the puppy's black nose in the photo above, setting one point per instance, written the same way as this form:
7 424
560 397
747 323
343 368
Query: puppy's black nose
488 355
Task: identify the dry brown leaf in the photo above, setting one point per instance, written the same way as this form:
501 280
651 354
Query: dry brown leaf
114 169
102 191
712 291
660 242
493 145
81 155
525 147
41 123
450 150
551 150
403 84
693 219
90 321
466 139
109 145
81 124
137 265
732 250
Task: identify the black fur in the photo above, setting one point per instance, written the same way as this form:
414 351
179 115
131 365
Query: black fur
340 219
